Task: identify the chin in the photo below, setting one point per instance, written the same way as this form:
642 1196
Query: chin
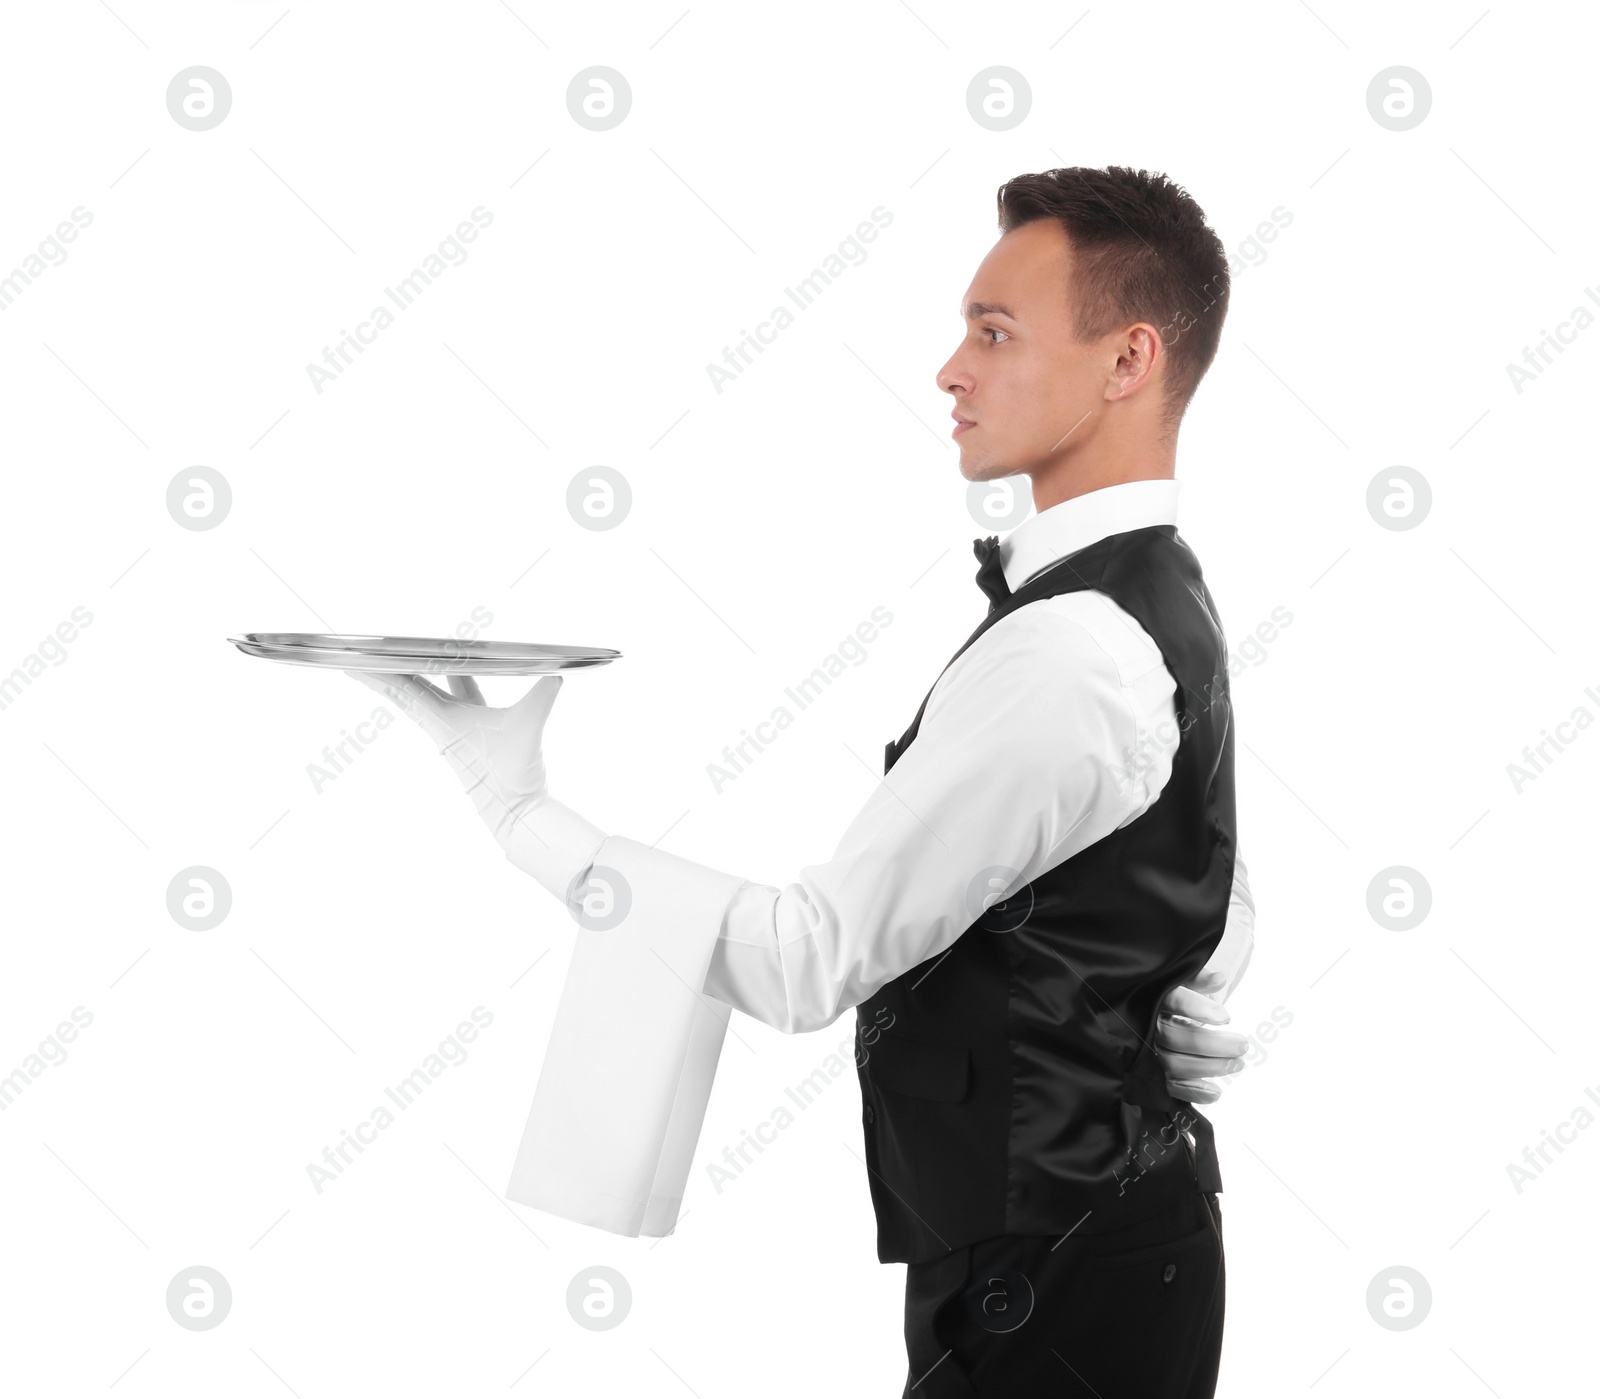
984 470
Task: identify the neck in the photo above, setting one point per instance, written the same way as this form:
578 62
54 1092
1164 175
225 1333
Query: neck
1068 476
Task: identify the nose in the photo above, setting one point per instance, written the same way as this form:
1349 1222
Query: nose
951 378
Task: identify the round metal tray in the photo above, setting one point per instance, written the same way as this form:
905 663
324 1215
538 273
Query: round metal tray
418 655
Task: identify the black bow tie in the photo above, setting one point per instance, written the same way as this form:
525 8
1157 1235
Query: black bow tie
991 575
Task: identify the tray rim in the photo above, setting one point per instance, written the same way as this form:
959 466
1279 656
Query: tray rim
401 664
455 646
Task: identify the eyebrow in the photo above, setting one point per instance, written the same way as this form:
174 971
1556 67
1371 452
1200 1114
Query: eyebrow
988 308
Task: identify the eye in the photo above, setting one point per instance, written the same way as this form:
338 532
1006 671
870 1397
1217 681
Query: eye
991 330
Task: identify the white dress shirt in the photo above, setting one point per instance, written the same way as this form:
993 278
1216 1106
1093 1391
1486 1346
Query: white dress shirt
1054 728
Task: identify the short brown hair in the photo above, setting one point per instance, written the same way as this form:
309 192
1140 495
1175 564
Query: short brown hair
1143 252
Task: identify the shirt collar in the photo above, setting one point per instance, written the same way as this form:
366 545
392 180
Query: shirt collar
1074 524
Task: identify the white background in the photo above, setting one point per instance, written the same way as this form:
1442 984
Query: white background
430 479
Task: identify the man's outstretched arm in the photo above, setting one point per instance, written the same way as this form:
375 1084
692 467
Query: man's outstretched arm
1022 759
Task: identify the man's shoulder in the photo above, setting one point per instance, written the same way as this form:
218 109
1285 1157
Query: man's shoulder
1074 629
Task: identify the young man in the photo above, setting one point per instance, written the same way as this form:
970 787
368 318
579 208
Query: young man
1047 873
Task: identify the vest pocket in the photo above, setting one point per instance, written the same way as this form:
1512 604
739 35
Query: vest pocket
920 1068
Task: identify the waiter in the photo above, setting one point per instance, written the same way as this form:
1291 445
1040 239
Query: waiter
1047 873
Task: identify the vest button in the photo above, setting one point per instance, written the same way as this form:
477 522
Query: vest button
869 1112
1169 1273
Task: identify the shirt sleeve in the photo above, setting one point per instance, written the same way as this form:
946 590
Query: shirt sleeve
1040 739
1227 963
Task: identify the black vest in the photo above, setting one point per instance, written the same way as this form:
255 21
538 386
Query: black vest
1011 1085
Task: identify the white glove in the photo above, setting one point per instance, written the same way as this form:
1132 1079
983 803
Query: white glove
498 757
1194 1053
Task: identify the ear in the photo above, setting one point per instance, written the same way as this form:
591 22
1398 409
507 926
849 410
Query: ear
1139 359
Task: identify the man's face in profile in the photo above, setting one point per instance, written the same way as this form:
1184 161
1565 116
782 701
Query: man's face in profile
1029 387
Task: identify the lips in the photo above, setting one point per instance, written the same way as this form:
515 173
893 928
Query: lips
962 424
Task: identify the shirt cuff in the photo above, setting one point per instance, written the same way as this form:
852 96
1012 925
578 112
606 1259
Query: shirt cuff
627 1075
554 844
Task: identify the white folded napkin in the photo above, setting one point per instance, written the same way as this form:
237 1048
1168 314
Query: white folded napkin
627 1075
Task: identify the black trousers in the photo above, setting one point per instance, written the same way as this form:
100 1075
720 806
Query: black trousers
1123 1313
